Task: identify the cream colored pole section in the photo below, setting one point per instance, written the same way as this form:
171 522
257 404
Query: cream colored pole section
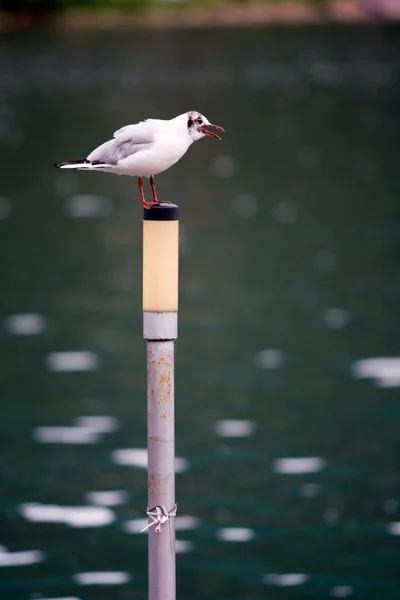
160 263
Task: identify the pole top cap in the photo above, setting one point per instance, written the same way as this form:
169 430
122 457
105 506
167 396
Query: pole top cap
161 212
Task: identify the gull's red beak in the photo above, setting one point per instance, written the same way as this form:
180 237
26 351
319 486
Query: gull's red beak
211 133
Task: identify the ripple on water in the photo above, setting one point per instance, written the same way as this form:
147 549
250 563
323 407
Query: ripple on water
297 466
25 324
74 516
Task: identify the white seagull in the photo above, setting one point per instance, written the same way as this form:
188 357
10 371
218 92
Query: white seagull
146 148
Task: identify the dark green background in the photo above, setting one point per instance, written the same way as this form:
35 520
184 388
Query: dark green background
312 135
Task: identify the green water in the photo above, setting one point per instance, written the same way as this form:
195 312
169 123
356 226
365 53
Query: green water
289 276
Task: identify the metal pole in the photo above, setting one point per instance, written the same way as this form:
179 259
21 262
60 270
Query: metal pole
160 319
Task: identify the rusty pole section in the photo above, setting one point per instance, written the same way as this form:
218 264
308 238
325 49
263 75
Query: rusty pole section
160 320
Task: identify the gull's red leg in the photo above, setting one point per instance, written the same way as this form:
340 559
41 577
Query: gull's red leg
153 190
144 203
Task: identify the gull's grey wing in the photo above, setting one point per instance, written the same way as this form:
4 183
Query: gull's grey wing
127 141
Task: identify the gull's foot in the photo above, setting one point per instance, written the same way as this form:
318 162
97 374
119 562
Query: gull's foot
155 203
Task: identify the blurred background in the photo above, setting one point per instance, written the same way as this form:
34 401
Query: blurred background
288 357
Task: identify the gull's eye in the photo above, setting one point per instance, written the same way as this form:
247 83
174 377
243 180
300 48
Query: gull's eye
199 121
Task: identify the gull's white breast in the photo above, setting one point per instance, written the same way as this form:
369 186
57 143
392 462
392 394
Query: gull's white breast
162 153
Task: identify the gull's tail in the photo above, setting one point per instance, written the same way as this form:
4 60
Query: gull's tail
82 163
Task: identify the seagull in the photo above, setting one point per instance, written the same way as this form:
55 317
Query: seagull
146 148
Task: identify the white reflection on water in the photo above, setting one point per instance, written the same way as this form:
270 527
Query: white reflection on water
86 431
107 498
98 423
72 361
270 358
285 579
135 525
5 208
235 534
137 457
74 516
342 591
84 206
234 428
25 324
102 578
295 466
65 435
18 559
394 528
185 522
183 546
386 371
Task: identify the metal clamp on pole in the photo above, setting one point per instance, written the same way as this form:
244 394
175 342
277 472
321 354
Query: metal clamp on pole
160 330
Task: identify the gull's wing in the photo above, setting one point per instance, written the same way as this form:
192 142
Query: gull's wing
127 141
140 131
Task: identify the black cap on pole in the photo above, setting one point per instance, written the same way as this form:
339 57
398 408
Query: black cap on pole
161 212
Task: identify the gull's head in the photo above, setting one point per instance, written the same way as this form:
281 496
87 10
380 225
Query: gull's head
198 126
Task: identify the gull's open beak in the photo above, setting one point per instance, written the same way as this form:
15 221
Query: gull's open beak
211 133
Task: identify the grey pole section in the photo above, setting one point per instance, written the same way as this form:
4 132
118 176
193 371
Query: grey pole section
160 319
